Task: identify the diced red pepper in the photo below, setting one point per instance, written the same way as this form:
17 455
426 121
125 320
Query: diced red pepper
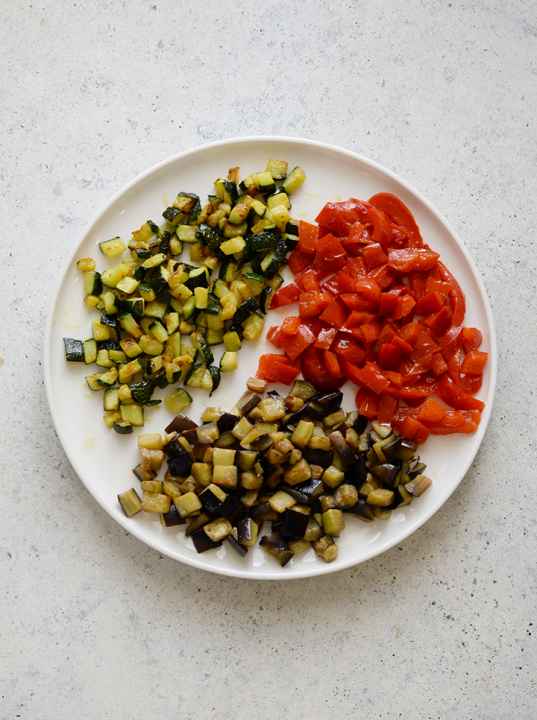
414 430
349 349
430 303
307 237
367 404
369 289
296 344
440 321
382 275
266 362
406 347
335 314
275 336
431 411
387 407
330 255
389 356
353 210
314 370
332 364
411 332
470 423
299 261
474 362
330 217
471 339
286 295
404 306
356 268
313 303
325 337
290 325
372 377
285 374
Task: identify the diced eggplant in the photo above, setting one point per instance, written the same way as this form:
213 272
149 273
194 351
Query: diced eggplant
294 524
342 447
202 542
172 517
294 493
356 474
318 457
230 508
143 474
240 549
180 465
385 472
275 545
196 523
226 421
180 423
212 498
247 532
330 400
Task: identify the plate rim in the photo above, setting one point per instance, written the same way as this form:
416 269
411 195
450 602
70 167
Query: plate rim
278 573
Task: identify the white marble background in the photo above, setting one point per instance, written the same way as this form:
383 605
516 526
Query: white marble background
93 624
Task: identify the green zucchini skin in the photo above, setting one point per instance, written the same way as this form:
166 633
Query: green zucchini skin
74 350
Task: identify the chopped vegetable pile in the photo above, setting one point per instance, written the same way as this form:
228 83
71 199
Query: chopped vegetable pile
151 300
376 306
300 463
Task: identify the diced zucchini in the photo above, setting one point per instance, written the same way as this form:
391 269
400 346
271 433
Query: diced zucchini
229 362
253 326
232 341
113 247
277 168
178 400
74 350
265 182
133 414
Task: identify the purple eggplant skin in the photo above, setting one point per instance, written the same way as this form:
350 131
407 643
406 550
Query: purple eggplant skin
180 423
275 545
248 402
309 488
142 474
356 474
318 457
230 508
180 465
386 472
244 530
295 524
172 517
360 424
298 415
236 546
300 497
226 421
362 510
331 401
211 503
343 448
175 449
202 542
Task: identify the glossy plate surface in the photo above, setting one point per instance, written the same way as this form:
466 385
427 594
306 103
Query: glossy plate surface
104 461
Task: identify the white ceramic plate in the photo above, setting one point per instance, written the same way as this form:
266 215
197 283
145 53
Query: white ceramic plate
104 461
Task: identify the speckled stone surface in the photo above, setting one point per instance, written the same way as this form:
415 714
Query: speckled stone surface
93 624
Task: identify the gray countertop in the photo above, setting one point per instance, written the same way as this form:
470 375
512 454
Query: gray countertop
94 624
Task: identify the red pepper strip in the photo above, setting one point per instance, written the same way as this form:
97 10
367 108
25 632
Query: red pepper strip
469 424
451 338
332 364
387 407
325 338
307 237
382 228
469 384
415 430
290 325
399 214
314 370
286 295
330 217
431 412
420 389
296 344
456 398
299 261
474 362
403 260
266 362
335 314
